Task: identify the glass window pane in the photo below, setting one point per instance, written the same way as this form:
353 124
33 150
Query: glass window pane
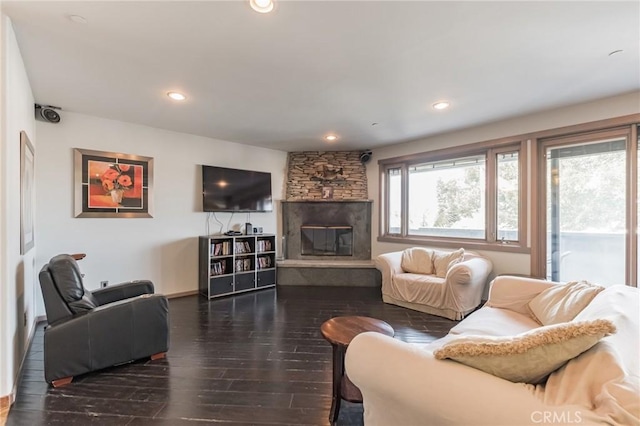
586 206
508 193
447 198
394 179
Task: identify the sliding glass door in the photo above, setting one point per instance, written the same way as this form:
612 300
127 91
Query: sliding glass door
586 215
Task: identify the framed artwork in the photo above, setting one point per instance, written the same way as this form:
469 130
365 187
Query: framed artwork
27 193
110 184
327 192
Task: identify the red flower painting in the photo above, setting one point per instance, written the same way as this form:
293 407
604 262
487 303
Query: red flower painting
114 182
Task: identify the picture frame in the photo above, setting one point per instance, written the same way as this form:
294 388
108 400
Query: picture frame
27 193
327 192
112 184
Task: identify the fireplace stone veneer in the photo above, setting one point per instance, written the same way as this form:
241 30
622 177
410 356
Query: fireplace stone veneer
298 214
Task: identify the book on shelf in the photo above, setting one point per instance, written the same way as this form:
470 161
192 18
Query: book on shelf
242 265
264 262
222 248
242 247
218 268
264 245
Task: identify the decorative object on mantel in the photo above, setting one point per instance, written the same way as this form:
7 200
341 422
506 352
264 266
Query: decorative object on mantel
329 173
109 184
27 162
327 192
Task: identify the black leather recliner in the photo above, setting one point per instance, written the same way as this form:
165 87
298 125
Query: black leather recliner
89 331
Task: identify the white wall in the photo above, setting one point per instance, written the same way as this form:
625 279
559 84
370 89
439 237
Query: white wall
502 262
164 248
17 273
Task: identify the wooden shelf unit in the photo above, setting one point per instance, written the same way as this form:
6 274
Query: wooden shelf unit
230 264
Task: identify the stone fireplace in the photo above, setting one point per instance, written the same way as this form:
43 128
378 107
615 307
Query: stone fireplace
326 176
326 221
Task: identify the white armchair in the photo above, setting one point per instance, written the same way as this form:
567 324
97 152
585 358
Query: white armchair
453 296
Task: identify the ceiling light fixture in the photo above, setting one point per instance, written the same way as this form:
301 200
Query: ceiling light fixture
441 105
176 96
262 6
331 138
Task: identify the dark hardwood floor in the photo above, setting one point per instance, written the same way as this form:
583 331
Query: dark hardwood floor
253 359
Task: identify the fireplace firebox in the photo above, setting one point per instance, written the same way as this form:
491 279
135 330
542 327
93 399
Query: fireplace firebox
318 240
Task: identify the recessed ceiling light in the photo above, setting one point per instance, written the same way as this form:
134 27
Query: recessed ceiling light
262 6
441 105
615 52
176 96
78 19
331 138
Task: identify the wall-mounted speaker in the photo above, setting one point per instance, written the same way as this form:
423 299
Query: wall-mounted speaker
47 113
365 156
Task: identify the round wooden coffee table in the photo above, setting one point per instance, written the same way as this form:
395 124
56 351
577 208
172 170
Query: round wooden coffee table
339 331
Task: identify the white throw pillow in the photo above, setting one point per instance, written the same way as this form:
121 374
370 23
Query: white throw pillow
443 260
527 357
561 303
417 260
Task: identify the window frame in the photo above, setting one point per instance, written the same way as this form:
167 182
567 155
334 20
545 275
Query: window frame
492 197
384 184
490 150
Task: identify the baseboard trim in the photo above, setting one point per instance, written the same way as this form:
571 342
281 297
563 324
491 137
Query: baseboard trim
182 294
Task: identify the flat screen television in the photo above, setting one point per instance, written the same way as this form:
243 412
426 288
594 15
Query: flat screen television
235 190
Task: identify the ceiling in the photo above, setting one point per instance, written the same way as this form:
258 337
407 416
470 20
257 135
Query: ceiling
286 79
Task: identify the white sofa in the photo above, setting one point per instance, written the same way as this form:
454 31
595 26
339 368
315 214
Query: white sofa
453 296
403 384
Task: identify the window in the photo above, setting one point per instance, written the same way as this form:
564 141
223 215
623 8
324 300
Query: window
395 200
508 191
446 198
449 196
